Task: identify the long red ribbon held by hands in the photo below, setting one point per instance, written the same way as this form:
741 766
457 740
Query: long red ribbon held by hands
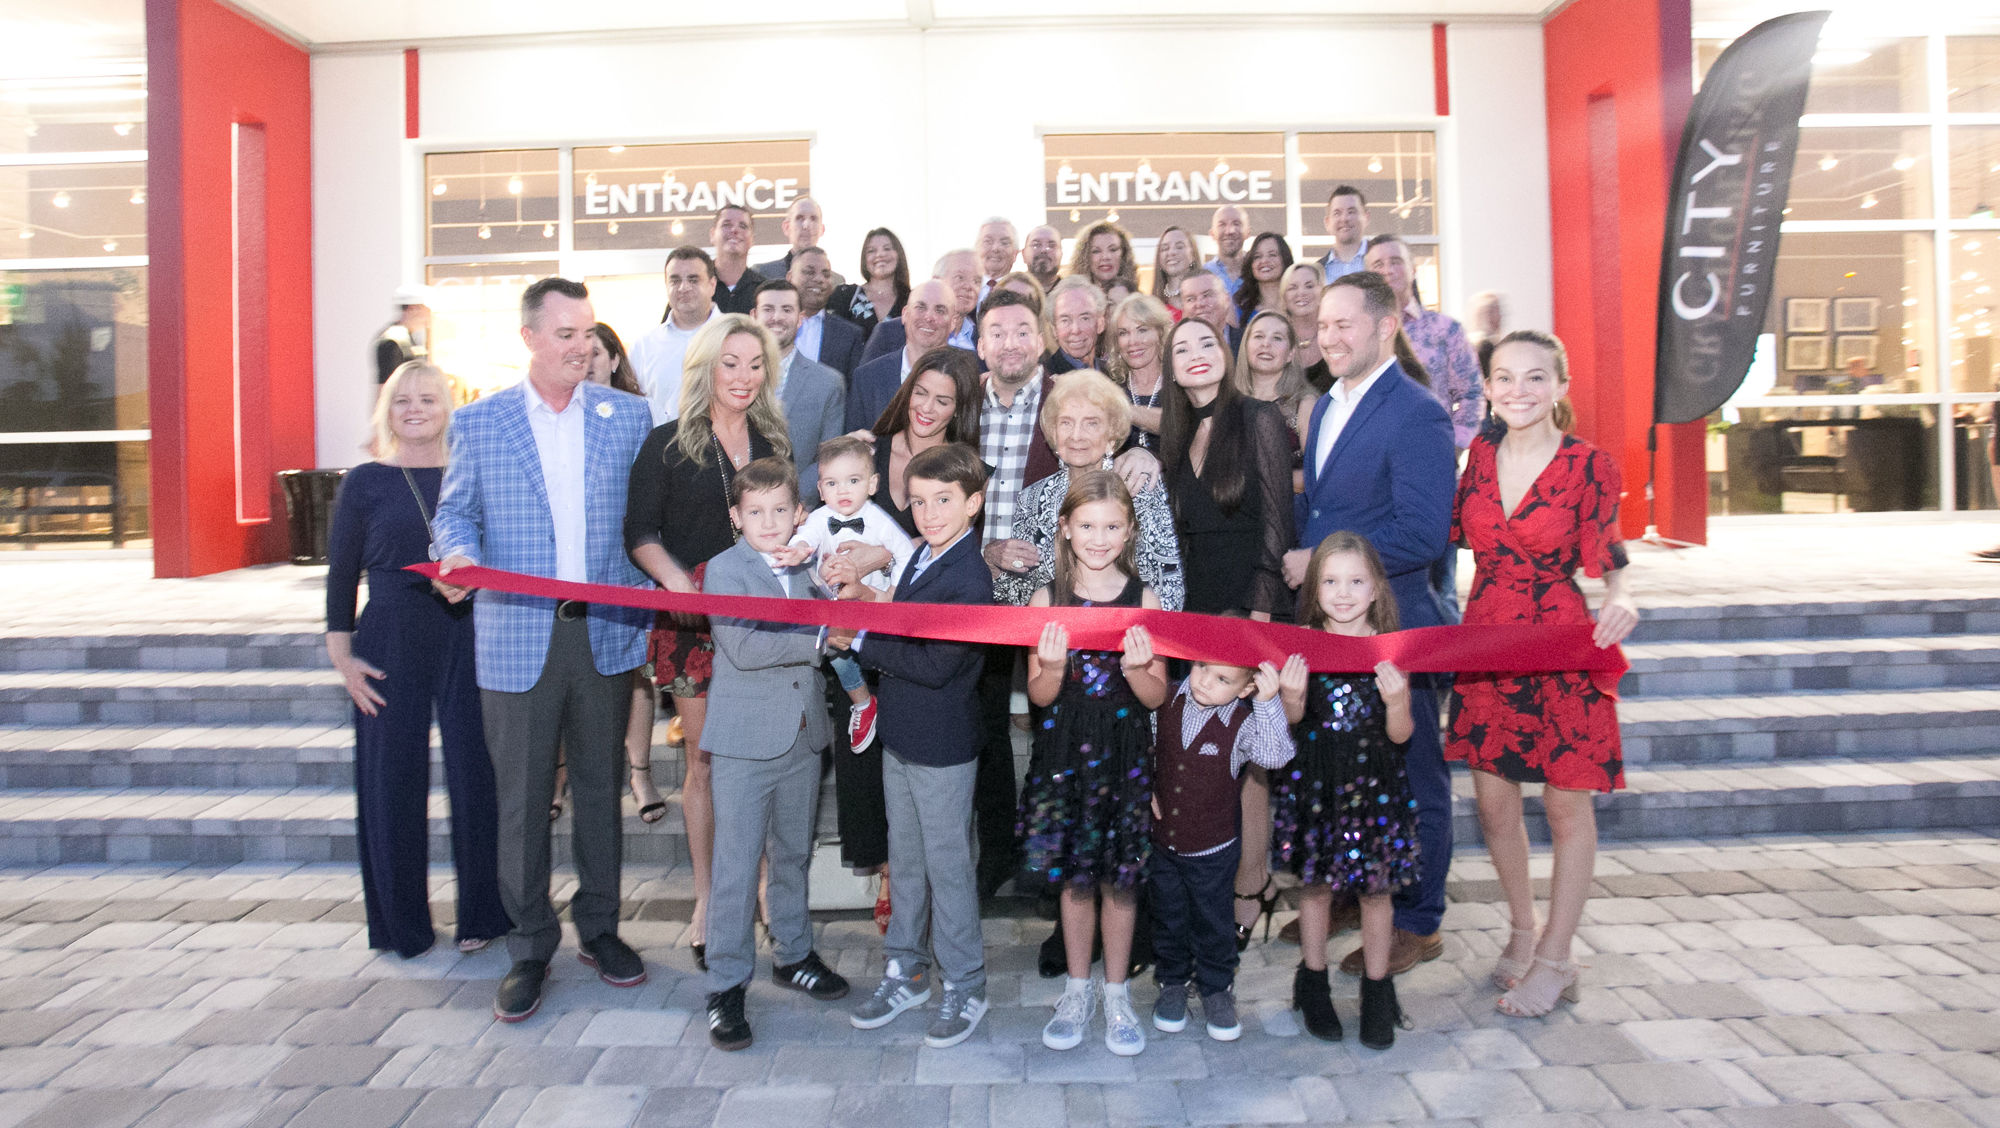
1512 649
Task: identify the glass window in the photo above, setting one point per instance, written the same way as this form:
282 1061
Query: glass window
1972 74
1861 174
1847 294
476 322
1851 76
1148 182
1975 171
63 493
73 350
492 203
1396 172
1828 460
661 196
74 115
1974 259
73 211
1978 457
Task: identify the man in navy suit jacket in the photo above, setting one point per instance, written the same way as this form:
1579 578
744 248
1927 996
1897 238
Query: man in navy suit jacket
832 341
1379 461
871 386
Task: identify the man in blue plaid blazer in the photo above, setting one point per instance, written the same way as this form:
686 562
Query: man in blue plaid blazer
536 484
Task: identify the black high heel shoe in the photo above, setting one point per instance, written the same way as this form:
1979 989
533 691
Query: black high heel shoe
1267 904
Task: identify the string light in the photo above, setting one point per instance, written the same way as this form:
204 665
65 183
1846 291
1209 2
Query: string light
548 230
138 195
1374 164
61 199
110 245
1828 163
1869 200
485 231
1905 163
437 187
122 129
513 186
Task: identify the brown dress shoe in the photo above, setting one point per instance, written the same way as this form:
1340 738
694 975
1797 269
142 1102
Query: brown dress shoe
1345 917
1406 951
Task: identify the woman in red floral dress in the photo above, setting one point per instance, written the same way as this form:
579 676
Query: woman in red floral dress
1534 506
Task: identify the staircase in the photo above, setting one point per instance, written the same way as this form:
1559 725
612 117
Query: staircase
1805 717
213 740
213 746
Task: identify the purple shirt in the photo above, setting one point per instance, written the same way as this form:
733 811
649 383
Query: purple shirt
1440 343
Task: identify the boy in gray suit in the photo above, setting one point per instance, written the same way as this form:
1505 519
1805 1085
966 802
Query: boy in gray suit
767 724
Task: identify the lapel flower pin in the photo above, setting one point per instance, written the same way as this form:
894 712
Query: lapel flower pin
604 411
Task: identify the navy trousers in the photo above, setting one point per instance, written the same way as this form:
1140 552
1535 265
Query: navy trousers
1194 921
426 652
1420 906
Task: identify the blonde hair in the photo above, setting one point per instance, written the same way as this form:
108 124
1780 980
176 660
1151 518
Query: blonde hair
698 389
1291 382
1146 310
1097 389
383 443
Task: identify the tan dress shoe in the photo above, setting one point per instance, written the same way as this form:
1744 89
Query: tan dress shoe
1406 951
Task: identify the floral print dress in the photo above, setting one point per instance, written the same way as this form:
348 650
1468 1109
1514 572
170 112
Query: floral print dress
1558 729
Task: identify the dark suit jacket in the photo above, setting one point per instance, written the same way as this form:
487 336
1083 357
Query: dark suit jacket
815 407
1391 477
840 345
930 689
887 338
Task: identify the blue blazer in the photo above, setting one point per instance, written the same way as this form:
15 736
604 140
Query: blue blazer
870 389
1391 477
840 345
930 689
889 337
494 509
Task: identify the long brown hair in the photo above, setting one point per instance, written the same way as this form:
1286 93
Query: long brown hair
963 371
1227 468
1085 488
1382 618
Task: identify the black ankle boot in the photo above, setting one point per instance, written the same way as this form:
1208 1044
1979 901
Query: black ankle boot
1314 1000
1380 1013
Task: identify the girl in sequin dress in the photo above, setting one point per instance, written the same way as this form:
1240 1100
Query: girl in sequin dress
1343 818
1086 817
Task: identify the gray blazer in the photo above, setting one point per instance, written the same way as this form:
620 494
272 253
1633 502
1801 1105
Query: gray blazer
815 402
767 685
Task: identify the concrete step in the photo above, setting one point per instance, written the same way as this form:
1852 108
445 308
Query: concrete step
305 824
1727 621
221 756
1738 729
245 648
149 697
1831 794
1683 669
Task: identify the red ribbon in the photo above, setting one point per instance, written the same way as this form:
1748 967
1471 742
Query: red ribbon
1509 649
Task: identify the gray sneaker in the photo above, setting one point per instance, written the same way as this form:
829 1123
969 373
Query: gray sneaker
1220 1011
1072 1017
1122 1033
960 1011
896 993
1170 1011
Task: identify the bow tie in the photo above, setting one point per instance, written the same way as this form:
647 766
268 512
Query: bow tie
835 524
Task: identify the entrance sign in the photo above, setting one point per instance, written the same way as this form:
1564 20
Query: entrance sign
1148 182
641 197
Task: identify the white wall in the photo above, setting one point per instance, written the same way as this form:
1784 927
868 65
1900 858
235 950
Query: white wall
1499 227
358 254
928 132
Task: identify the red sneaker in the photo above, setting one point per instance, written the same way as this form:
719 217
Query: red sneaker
861 725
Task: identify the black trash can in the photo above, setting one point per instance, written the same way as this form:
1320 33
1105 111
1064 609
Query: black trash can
309 498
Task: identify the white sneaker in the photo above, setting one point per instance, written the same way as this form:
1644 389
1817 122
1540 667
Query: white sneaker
1073 1011
1122 1033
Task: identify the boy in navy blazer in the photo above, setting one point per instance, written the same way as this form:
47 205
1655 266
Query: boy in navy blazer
929 724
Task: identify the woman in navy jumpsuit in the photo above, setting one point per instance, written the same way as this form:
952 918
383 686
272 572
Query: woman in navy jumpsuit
410 654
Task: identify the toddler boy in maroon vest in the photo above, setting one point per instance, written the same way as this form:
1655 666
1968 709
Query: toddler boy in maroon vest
1208 729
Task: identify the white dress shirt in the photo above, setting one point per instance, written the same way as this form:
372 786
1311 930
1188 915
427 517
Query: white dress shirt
812 330
1339 410
559 443
658 358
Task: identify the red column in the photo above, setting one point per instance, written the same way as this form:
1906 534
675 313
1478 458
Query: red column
229 222
1619 78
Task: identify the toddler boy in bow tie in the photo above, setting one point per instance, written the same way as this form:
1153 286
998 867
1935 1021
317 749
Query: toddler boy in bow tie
847 480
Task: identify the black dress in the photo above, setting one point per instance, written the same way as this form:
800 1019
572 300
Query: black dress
1341 811
849 302
424 646
682 506
1234 560
1086 805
